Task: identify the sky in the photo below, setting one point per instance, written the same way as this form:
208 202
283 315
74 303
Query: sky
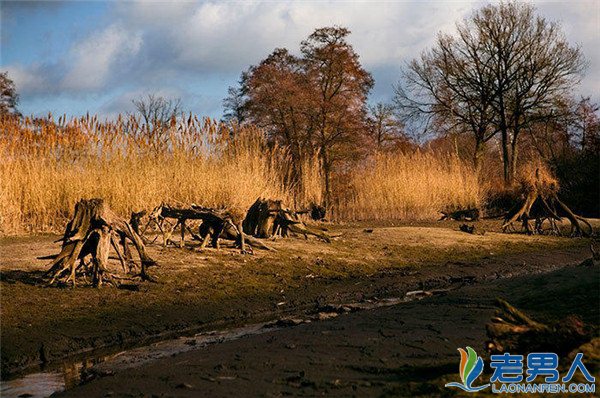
75 57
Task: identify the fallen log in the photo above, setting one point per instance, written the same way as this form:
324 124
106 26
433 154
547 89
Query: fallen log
215 224
315 211
91 232
461 215
206 231
510 330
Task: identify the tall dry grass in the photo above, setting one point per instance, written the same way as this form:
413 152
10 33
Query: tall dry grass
410 186
47 166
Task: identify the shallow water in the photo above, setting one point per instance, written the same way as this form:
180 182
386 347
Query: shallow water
34 385
69 374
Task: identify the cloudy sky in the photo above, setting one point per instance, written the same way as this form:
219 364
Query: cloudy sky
78 56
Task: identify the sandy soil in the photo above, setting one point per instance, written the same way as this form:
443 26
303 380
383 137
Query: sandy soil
404 350
203 290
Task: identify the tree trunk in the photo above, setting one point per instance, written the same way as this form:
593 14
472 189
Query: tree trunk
478 156
506 157
513 160
327 176
513 147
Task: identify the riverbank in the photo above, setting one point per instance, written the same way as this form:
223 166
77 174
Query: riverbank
405 350
204 290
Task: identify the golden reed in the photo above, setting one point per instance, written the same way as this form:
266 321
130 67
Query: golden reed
48 165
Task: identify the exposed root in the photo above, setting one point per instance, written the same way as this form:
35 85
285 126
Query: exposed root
91 233
542 204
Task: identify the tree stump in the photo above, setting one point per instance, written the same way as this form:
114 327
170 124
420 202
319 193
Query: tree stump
541 203
91 232
268 218
260 218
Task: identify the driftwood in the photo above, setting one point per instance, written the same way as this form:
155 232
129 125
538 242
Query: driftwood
461 215
267 218
135 220
541 204
91 232
510 330
216 224
260 218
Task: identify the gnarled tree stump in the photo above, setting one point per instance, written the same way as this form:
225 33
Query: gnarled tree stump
541 203
268 218
91 232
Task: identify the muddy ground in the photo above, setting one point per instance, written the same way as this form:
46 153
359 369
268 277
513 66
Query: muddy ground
405 350
203 290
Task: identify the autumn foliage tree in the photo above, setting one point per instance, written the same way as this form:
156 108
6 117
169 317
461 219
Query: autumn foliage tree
314 103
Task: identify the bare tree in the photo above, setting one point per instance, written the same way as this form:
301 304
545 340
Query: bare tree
157 111
586 125
385 128
505 67
532 65
234 106
450 87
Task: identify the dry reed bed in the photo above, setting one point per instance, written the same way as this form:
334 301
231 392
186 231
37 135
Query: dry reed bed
48 165
411 186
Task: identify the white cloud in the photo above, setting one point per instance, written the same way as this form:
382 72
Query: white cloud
232 35
182 44
94 58
28 79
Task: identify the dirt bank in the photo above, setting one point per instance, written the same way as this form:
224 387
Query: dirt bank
404 350
201 290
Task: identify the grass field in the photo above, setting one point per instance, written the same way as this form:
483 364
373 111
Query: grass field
49 165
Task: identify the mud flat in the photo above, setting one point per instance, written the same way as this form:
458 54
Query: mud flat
400 350
206 290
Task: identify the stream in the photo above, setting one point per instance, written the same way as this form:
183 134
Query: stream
62 376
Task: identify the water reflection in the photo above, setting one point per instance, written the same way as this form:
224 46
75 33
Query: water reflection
38 385
69 374
46 383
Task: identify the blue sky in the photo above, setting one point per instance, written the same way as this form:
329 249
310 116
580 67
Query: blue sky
88 56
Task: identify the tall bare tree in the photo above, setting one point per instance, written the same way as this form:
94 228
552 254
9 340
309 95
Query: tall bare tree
450 86
532 64
503 68
156 110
